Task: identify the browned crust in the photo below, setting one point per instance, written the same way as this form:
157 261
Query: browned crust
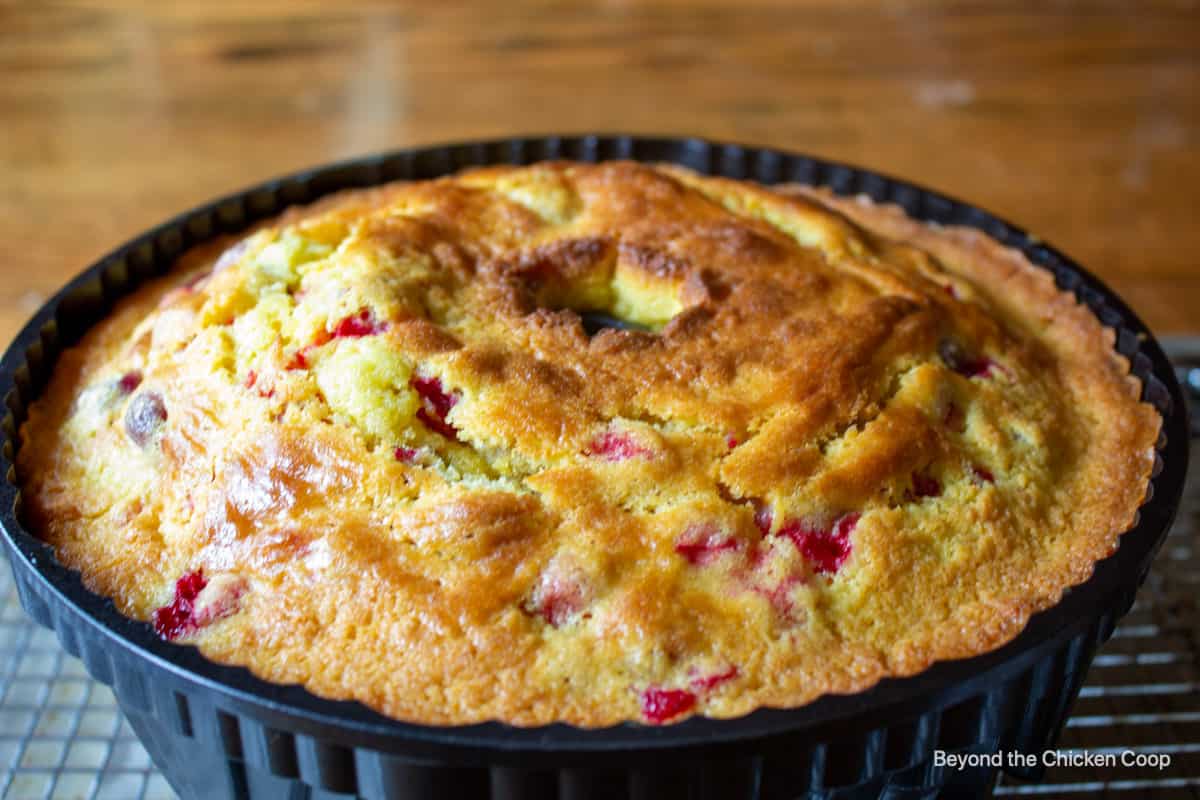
1096 375
806 328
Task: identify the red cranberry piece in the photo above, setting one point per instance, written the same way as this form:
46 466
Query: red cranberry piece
826 549
731 441
129 382
557 609
983 474
661 705
701 544
198 602
706 683
263 389
436 424
763 518
780 596
925 485
174 620
217 600
406 454
560 594
978 367
358 325
613 446
958 359
299 359
145 414
436 403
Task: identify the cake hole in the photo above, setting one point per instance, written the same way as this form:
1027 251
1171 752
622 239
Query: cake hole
596 321
609 285
612 304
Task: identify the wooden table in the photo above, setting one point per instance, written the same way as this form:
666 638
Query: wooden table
1077 120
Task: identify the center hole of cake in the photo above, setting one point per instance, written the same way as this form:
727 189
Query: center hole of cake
610 288
596 321
614 298
616 302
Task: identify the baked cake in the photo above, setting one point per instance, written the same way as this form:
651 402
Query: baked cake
589 443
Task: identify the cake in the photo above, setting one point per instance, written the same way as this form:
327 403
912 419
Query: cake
589 444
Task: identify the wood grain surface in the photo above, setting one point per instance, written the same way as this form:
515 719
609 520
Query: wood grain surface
1076 120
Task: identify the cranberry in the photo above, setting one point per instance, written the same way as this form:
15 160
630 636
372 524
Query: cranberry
925 485
198 602
406 454
557 609
613 446
780 596
145 414
263 389
358 325
354 326
174 620
299 359
826 549
731 441
983 474
219 599
706 683
436 403
660 705
560 594
703 543
129 382
763 518
979 367
958 359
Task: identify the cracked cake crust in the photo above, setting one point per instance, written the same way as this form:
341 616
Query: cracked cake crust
371 446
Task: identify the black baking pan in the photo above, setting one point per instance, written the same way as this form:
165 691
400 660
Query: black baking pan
219 732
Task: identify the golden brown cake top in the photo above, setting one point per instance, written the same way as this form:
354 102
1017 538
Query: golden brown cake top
373 448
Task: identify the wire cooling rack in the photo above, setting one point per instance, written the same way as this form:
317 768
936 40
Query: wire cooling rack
62 736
